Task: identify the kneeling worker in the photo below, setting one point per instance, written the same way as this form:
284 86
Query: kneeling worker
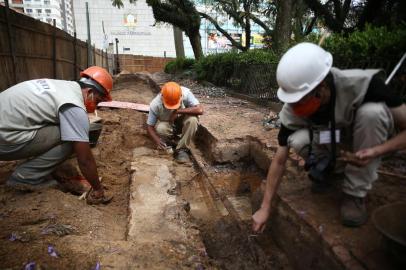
328 108
44 121
175 109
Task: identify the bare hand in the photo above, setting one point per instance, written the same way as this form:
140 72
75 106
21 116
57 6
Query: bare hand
259 220
98 193
359 159
161 145
367 155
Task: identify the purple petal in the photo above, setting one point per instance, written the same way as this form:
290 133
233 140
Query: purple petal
97 267
13 237
52 251
30 266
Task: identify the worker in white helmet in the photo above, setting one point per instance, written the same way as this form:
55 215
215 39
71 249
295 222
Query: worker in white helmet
329 111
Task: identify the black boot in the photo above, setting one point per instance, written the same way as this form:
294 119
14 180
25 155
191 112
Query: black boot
182 156
353 211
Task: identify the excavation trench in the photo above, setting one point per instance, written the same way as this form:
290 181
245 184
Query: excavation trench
213 200
165 215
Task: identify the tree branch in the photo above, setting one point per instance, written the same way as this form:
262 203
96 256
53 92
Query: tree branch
322 11
221 30
256 20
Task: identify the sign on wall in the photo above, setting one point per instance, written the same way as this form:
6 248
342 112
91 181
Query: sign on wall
130 20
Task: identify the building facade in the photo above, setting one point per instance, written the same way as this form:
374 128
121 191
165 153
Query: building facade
133 26
46 11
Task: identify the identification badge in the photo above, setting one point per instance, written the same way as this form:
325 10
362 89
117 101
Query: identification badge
325 136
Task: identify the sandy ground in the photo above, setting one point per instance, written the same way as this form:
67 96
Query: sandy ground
27 214
114 236
117 236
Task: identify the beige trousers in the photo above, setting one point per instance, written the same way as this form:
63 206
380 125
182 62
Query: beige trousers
189 128
373 125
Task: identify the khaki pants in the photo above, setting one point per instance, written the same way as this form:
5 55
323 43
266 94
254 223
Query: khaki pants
189 128
43 153
373 125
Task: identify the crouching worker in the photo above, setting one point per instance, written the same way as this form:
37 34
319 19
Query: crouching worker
329 111
45 121
171 112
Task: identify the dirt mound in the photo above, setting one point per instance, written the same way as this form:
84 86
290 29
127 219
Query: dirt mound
123 80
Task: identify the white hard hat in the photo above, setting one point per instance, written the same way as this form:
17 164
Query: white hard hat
300 70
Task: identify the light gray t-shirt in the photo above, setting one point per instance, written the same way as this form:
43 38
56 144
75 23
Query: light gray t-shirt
74 124
157 110
31 105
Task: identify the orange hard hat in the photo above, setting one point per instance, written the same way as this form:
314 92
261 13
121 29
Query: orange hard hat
171 95
99 79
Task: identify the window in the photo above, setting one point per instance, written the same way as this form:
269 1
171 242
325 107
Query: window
49 20
39 11
48 11
29 10
47 2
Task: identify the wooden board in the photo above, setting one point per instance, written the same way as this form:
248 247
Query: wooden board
125 105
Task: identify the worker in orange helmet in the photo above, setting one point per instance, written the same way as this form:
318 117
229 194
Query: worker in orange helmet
46 120
174 110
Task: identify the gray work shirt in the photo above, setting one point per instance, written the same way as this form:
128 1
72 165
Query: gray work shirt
157 110
74 124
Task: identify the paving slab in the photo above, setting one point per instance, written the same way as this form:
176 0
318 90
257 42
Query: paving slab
159 224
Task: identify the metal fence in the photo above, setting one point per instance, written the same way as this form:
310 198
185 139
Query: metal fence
258 82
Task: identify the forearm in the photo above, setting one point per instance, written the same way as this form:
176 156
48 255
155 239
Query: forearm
89 170
87 163
152 133
396 143
274 177
195 110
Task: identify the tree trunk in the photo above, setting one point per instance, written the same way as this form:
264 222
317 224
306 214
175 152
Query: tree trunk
180 50
283 25
247 28
195 41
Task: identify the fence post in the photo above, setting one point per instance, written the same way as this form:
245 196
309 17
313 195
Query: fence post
54 49
11 42
118 61
94 54
74 56
107 60
102 58
87 54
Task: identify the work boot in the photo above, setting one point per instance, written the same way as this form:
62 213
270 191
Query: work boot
182 156
353 211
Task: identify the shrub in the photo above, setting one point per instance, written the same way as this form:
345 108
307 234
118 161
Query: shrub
179 65
372 44
218 68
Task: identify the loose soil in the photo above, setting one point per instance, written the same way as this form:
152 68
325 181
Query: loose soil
29 213
87 235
